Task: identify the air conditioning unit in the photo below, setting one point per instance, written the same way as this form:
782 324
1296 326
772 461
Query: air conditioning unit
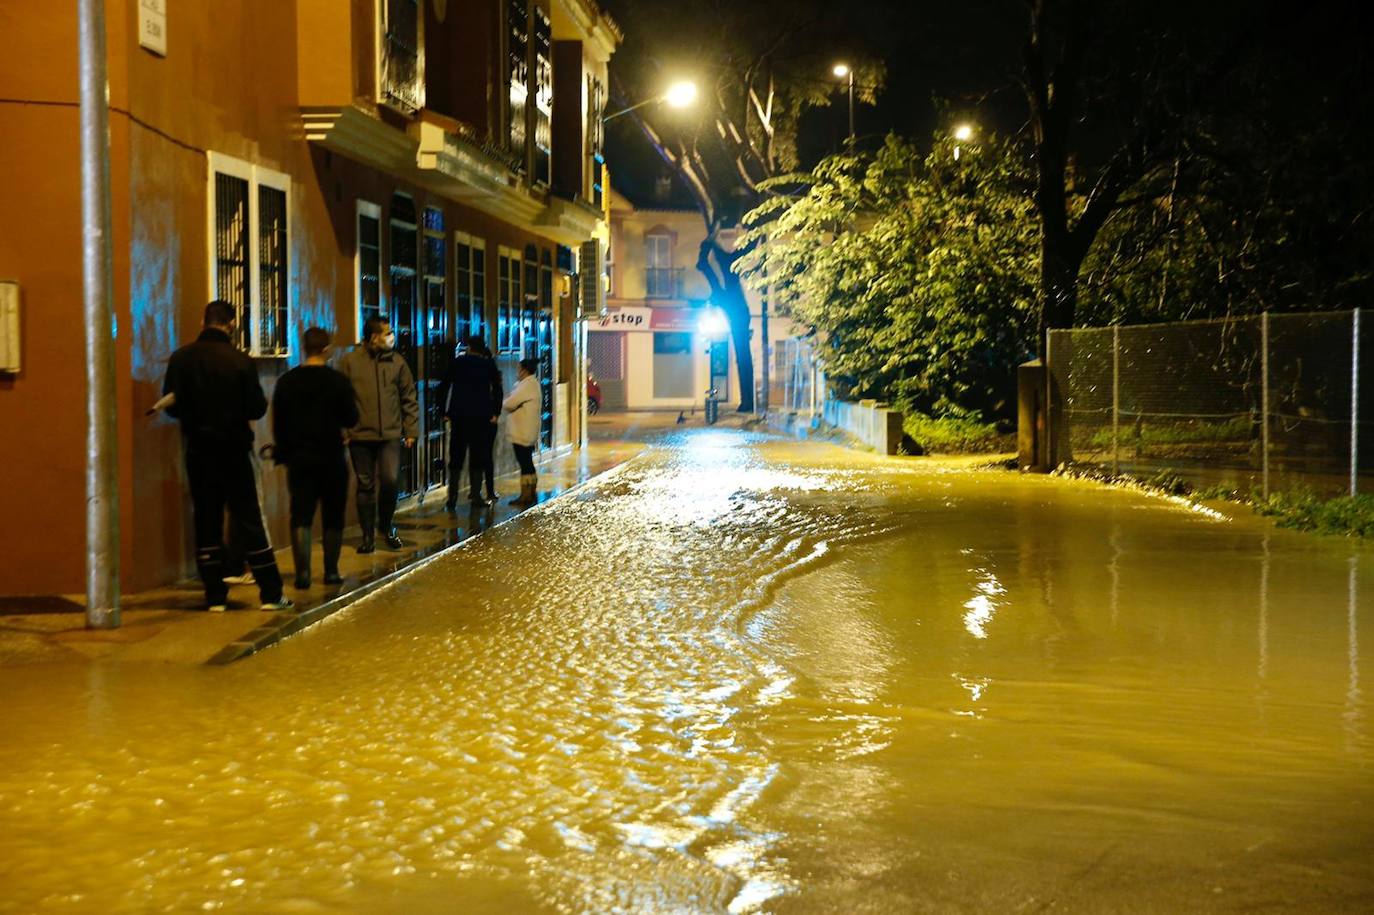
9 327
591 282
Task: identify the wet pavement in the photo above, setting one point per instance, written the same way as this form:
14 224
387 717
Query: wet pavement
743 674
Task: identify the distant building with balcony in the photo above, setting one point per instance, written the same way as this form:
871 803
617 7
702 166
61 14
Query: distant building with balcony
313 162
649 352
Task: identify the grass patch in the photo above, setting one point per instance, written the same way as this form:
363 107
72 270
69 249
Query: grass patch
1303 510
1239 429
955 435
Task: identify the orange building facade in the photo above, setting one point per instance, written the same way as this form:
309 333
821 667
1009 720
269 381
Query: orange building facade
314 162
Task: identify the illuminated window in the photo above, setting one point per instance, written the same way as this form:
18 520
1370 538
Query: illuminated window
250 243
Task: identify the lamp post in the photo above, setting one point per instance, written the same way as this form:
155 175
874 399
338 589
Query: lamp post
842 71
963 133
681 94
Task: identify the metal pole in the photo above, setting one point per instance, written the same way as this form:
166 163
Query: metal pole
763 347
1116 399
102 457
851 108
1355 402
1264 400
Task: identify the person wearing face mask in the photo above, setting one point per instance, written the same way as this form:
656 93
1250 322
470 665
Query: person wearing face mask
388 418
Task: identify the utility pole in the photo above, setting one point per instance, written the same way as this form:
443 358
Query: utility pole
102 457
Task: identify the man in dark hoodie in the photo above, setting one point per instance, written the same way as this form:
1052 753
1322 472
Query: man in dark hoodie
470 395
216 396
312 407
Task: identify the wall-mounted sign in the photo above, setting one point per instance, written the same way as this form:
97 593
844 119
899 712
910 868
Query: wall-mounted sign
152 26
622 319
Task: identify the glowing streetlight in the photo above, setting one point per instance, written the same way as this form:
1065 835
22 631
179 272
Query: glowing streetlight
713 324
844 71
962 134
681 94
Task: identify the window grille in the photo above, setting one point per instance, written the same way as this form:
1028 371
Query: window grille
543 97
438 348
518 74
596 137
231 252
404 238
401 85
274 339
470 281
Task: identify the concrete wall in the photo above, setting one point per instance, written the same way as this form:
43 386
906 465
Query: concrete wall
868 421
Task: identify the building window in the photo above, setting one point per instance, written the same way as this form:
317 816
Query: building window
510 302
529 314
438 346
401 67
369 263
658 266
470 262
543 97
250 244
518 74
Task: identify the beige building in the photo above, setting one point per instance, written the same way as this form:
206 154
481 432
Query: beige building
656 347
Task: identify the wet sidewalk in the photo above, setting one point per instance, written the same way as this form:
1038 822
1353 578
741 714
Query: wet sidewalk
169 624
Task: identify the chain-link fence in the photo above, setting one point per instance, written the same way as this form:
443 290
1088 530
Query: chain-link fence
1264 402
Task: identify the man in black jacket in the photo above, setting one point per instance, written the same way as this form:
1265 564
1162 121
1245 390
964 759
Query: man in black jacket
312 407
216 395
471 397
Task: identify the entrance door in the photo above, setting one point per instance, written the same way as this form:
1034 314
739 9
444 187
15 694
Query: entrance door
437 351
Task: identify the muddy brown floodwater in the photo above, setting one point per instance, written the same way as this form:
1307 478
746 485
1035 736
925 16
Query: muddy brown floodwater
738 675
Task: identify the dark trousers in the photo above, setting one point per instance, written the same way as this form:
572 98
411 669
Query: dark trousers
467 440
524 456
322 482
223 478
489 460
377 465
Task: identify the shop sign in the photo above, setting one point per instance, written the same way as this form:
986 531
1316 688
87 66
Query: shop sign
621 319
676 319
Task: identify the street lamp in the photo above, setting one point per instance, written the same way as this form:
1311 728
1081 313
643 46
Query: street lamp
962 133
681 94
843 71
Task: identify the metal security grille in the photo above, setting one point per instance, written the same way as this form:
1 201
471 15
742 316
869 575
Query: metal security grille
438 348
401 57
1263 402
546 347
232 252
273 275
404 239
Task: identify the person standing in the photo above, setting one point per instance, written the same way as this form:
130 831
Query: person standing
523 405
471 395
313 408
488 458
388 418
215 395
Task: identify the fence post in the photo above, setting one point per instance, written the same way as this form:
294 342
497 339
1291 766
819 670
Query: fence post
1116 399
1264 401
1354 402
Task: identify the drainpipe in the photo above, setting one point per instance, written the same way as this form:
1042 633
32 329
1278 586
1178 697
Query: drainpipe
102 468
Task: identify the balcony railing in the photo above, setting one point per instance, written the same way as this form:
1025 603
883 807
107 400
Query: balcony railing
664 282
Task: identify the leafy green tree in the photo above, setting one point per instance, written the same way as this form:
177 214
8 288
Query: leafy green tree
917 271
760 65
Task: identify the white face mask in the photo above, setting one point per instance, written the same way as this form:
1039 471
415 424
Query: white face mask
386 343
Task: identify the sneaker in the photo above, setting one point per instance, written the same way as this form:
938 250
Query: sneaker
245 579
281 603
217 608
394 541
333 578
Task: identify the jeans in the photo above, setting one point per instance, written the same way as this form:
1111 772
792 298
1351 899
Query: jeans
524 456
223 479
320 481
377 465
469 438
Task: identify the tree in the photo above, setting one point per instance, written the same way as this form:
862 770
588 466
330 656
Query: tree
918 271
760 65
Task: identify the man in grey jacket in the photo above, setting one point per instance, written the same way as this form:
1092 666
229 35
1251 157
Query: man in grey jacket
388 411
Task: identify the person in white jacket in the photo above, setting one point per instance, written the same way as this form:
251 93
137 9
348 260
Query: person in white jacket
524 405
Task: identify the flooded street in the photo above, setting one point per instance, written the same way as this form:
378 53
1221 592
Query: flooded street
741 674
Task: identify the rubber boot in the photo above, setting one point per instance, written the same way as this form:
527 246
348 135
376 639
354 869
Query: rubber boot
333 545
528 496
300 556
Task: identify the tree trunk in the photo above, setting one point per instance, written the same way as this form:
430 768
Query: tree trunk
727 294
1059 266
